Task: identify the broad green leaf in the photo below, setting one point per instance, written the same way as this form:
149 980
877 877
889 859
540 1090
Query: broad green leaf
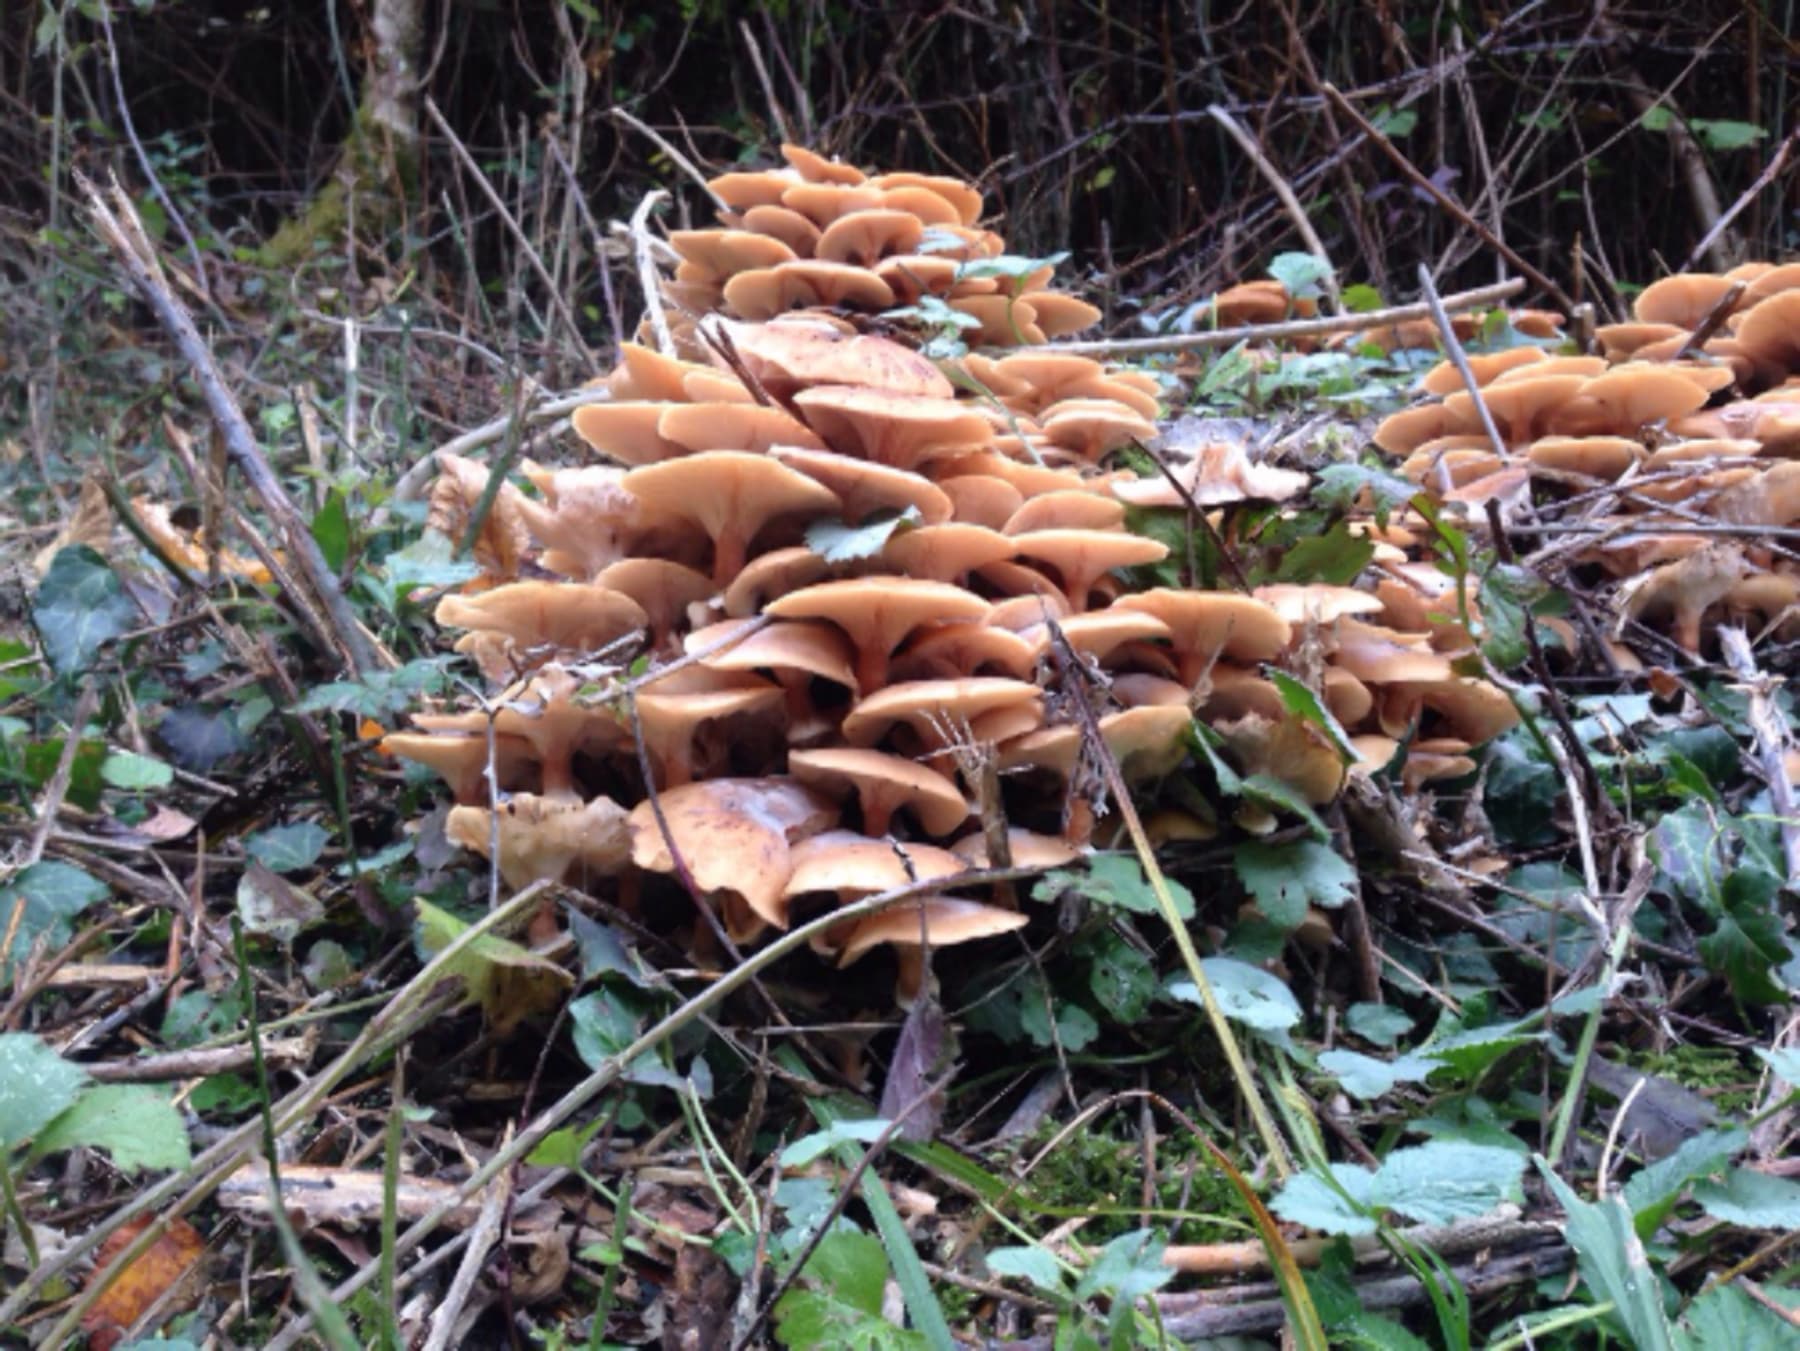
197 738
1277 795
838 1300
80 606
1335 557
1283 879
1362 298
1725 1317
331 530
1246 994
1311 1200
1752 1199
1685 846
136 773
819 1143
1785 1062
1613 1262
604 953
1446 1180
1075 1026
1122 979
508 982
1032 1264
1127 1269
379 694
288 849
606 1023
1750 940
53 893
1366 1077
1309 708
36 1086
1653 1190
134 1123
1382 1024
1113 880
1302 273
1726 135
428 561
1340 486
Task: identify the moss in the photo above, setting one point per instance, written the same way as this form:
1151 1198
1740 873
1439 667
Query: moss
383 171
1092 1169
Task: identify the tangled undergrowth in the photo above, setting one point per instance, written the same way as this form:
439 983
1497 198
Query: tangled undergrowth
987 845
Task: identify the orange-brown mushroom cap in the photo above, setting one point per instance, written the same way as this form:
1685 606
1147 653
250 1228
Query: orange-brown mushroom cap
730 495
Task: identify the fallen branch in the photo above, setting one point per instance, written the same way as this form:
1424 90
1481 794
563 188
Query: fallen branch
1479 298
1447 1240
287 1053
1772 738
1290 203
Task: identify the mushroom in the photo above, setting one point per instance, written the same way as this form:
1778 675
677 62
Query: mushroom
815 168
1594 457
1207 625
1082 557
668 721
504 536
1092 428
1098 633
893 429
1681 300
963 199
734 837
1217 472
1444 378
1146 742
877 613
626 432
720 254
732 426
863 238
730 495
1066 510
790 227
1627 397
1316 603
461 760
865 488
884 784
542 838
1521 408
1683 591
796 651
946 553
1026 848
802 284
788 357
936 710
943 921
664 591
1287 749
772 574
559 616
947 650
1059 315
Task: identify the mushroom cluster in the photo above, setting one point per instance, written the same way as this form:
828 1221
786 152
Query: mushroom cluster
886 625
822 235
1658 431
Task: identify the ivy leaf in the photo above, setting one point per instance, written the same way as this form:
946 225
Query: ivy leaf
1726 135
1284 878
1382 1024
36 1086
54 893
1303 274
1339 486
1749 940
1114 881
288 849
606 1023
80 606
1335 557
198 738
1752 1199
135 773
808 1148
429 561
134 1123
509 982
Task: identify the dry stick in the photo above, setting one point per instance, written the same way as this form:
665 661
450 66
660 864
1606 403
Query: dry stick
681 161
119 226
1777 162
286 1053
647 276
412 482
483 1237
1446 1240
1771 734
1478 298
167 1199
1456 210
1715 318
608 1073
1197 513
762 76
1283 190
596 236
553 291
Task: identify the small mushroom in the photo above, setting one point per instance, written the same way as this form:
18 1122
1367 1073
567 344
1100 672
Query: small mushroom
730 495
1207 625
884 784
877 613
943 921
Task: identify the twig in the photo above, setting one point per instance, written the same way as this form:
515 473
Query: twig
54 792
485 1234
286 1053
762 76
118 224
550 409
1294 328
1283 190
1777 162
1455 208
1447 1240
680 160
1453 348
1714 320
552 290
647 275
1771 733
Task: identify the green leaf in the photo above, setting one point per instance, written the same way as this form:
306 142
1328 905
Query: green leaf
271 905
606 1023
1750 940
135 773
41 758
1122 979
379 694
198 738
1725 1317
54 893
288 849
1752 1199
1366 1077
1382 1024
1127 1269
508 982
1283 879
1685 847
1654 1189
1335 557
1032 1264
134 1123
331 530
1278 795
1246 994
807 1148
1394 123
1006 267
1362 298
1114 881
846 1273
1785 1061
1312 1200
836 542
1613 1262
1433 1183
80 607
1725 135
1339 486
1302 273
36 1085
1075 1026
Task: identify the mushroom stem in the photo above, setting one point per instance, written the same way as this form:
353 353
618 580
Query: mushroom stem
878 815
728 555
871 669
910 958
558 778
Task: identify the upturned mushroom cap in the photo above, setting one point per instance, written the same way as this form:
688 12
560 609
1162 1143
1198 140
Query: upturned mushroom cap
1599 457
1205 625
542 838
1232 692
1770 333
866 488
1093 427
626 432
1251 302
734 837
1316 602
744 190
1770 281
770 575
1403 432
1682 299
863 238
1097 634
1147 742
1082 557
1027 848
461 760
1032 381
559 616
1621 342
644 374
790 227
935 709
661 589
1029 480
720 254
816 648
1000 321
1059 315
816 168
948 552
1522 409
884 784
910 276
1066 510
943 921
542 712
1444 378
877 613
943 651
1472 709
1625 398
788 357
894 429
924 206
730 495
852 865
1216 473
965 199
766 292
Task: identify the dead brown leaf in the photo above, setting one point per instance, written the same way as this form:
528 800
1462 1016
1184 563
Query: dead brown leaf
167 1274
